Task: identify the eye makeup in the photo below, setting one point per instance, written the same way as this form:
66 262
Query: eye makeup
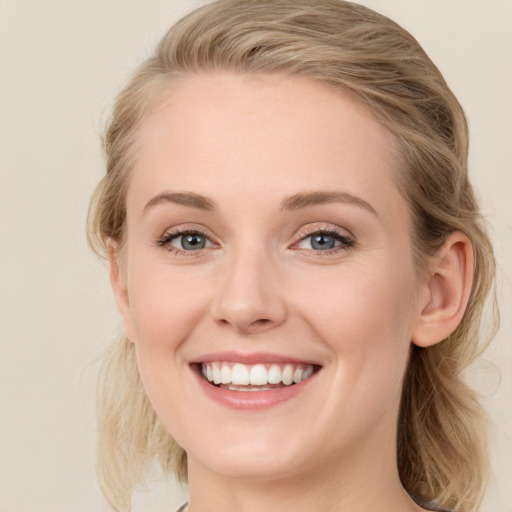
320 239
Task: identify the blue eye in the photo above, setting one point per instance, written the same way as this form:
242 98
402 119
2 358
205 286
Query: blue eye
325 241
185 241
189 242
322 242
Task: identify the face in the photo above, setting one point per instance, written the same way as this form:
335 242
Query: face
268 248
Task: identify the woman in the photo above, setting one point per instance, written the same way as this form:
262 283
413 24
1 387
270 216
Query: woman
300 265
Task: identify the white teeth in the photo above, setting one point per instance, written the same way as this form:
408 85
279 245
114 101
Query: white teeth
287 375
258 375
274 374
225 374
216 373
232 387
239 376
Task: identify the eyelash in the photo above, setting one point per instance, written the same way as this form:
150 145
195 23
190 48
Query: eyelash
166 239
346 242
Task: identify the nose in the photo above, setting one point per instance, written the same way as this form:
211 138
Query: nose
250 298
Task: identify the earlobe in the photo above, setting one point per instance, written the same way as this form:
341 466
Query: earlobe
118 283
446 292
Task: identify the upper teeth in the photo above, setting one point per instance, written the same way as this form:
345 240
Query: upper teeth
258 374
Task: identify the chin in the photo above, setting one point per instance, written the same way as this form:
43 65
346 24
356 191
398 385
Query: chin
258 453
254 463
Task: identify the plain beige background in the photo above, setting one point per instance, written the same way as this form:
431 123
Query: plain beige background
61 62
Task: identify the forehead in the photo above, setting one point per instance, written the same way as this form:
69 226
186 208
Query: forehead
254 131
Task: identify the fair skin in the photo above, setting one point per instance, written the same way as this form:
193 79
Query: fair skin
296 252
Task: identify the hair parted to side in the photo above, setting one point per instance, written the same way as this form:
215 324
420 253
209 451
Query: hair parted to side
442 452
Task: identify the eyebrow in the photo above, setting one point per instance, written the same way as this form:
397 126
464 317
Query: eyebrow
305 200
183 198
294 202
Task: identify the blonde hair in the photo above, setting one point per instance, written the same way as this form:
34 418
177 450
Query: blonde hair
442 452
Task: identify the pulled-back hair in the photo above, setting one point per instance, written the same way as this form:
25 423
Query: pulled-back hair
442 453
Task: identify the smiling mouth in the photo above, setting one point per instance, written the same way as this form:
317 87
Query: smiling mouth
256 377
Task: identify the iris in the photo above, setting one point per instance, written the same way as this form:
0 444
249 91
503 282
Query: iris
322 242
193 242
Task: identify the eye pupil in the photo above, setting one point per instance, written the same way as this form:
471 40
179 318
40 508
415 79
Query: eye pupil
193 242
322 242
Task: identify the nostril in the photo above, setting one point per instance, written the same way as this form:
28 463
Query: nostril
262 321
248 326
262 324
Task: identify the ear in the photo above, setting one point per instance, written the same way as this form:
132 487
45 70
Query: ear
118 283
446 292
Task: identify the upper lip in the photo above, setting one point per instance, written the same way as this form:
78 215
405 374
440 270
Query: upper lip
250 358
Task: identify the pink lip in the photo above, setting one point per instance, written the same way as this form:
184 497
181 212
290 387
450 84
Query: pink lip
252 358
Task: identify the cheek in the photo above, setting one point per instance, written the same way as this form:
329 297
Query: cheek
369 333
372 305
365 317
165 306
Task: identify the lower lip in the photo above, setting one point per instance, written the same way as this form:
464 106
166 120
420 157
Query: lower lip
252 400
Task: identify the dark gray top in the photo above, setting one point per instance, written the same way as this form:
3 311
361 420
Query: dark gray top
428 506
